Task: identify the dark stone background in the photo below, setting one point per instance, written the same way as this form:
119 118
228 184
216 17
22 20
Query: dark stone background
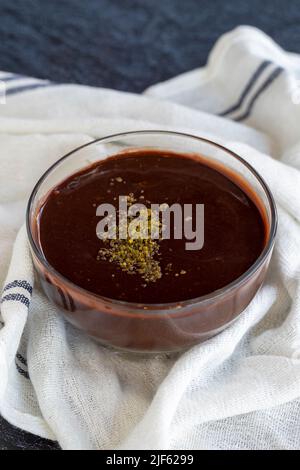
128 45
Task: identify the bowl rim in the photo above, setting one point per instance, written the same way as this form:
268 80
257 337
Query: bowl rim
143 307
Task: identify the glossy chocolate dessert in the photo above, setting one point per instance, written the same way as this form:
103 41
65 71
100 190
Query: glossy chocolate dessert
151 271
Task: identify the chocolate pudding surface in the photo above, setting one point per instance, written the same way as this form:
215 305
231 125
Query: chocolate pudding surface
234 228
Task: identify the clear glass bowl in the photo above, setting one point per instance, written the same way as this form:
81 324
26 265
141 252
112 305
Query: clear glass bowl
151 327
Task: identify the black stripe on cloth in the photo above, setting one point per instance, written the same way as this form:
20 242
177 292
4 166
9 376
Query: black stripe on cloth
21 359
71 303
21 371
63 298
32 86
269 80
12 77
1 323
17 283
250 84
16 298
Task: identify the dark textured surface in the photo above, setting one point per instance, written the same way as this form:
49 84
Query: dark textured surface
128 45
12 438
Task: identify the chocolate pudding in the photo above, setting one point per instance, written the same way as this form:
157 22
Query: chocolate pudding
151 271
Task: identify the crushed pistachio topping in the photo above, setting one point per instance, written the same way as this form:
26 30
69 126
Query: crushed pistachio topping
135 254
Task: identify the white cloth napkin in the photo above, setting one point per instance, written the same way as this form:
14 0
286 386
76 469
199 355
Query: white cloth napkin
239 390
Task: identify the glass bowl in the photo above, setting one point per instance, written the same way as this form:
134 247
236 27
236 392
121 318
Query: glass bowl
151 327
